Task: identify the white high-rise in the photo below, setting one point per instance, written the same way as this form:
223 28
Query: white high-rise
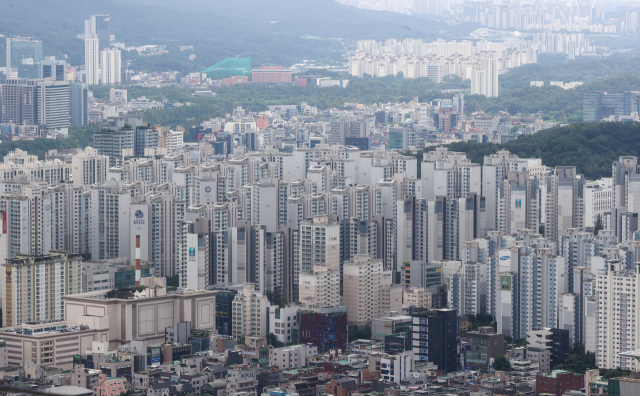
484 79
365 285
91 59
110 66
617 291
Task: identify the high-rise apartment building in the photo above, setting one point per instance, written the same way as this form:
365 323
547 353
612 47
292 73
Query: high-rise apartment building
365 282
109 214
506 305
320 244
18 49
34 286
110 66
250 313
91 59
484 79
618 293
89 168
564 202
145 137
320 287
112 143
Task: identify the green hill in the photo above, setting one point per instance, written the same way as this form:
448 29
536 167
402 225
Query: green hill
590 147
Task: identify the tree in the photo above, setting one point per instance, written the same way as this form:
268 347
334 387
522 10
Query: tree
612 373
598 226
173 281
356 333
501 363
479 320
272 339
581 362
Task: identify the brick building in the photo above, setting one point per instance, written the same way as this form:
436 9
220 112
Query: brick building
558 382
271 75
341 387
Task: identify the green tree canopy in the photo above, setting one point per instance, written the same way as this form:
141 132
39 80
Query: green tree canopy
501 363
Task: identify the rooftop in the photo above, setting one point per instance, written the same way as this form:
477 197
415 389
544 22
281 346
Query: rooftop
42 328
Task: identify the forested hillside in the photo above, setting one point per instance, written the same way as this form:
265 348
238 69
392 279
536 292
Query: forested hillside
590 147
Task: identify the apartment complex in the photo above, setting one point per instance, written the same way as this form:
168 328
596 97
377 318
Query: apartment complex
35 286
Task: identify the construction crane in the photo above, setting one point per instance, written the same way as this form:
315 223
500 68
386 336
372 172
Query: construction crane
565 117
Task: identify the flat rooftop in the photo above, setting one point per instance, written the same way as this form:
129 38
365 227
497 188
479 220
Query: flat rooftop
42 328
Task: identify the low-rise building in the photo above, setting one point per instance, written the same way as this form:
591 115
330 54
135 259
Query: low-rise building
417 297
131 316
52 343
110 386
393 368
325 328
542 357
558 382
283 323
292 356
241 379
385 326
111 274
482 346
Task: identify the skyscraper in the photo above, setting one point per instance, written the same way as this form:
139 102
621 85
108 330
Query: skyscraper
29 102
99 25
78 104
19 48
53 104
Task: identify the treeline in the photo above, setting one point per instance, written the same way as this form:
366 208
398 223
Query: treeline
572 71
551 99
187 116
590 147
78 138
527 100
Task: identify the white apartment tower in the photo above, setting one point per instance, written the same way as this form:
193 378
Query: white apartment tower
564 201
320 244
249 313
53 276
618 293
110 66
484 79
92 59
364 283
320 287
89 168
